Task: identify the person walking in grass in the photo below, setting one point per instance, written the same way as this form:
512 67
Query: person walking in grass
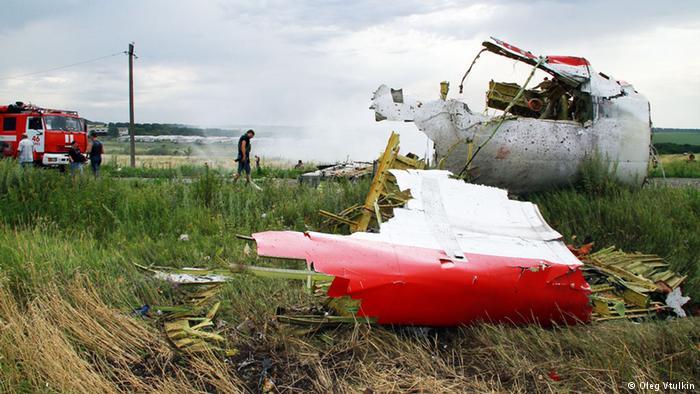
243 158
25 151
76 158
95 150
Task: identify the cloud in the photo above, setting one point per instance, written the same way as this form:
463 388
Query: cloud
315 64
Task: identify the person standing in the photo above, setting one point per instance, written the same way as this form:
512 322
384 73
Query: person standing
243 158
95 151
76 158
25 151
257 165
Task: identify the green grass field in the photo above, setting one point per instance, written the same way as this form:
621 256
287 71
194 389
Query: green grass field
675 137
68 285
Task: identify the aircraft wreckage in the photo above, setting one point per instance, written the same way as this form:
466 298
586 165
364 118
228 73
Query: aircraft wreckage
427 249
543 135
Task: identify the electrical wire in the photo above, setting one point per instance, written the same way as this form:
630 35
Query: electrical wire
502 119
62 67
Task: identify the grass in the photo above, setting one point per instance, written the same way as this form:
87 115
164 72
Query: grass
194 171
677 137
66 248
165 148
676 166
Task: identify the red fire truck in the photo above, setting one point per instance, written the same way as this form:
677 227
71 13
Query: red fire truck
51 130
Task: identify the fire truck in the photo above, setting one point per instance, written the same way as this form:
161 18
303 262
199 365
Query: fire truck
51 130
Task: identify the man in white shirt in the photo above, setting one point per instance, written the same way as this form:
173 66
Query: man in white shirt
25 151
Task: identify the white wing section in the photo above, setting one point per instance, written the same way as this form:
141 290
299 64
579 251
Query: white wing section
460 218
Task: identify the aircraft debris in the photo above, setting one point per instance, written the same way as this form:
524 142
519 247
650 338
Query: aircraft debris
445 253
632 285
452 241
349 170
384 194
544 134
190 326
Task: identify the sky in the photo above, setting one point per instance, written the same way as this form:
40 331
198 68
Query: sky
314 64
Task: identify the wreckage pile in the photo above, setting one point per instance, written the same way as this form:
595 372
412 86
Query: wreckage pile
632 285
355 282
351 170
190 326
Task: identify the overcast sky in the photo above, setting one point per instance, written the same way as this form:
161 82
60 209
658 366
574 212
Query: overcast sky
314 64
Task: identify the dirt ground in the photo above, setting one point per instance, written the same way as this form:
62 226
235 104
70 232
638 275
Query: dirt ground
675 182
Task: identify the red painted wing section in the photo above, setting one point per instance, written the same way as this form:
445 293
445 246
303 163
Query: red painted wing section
417 286
568 61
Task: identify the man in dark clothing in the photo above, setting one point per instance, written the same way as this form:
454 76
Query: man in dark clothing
5 150
76 158
95 150
243 158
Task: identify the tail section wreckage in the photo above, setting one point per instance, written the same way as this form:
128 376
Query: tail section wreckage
457 253
543 135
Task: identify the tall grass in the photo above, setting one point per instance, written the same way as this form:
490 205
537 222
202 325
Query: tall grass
679 168
653 219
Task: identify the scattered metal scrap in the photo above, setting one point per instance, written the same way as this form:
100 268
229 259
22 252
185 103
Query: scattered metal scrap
384 195
631 285
349 170
190 326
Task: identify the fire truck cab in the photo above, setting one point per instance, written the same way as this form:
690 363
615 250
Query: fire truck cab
51 130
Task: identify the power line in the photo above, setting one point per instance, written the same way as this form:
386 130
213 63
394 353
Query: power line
62 67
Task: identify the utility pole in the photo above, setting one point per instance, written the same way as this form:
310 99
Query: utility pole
132 139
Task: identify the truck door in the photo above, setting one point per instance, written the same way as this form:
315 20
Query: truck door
35 132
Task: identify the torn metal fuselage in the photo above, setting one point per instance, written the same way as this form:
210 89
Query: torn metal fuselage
529 153
406 285
455 254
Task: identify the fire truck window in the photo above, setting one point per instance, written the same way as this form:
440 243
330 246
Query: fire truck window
35 124
9 124
62 123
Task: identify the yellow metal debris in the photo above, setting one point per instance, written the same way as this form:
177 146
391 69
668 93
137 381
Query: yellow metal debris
628 285
383 196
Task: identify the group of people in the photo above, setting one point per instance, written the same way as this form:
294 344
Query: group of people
76 158
95 150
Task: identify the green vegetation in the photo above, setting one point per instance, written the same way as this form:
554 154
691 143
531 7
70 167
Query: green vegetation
676 141
67 248
164 148
169 129
666 148
677 136
190 171
679 168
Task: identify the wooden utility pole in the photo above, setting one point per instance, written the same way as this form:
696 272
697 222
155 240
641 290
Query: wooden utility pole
132 139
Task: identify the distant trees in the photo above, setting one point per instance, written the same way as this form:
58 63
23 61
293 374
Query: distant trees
159 129
112 130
